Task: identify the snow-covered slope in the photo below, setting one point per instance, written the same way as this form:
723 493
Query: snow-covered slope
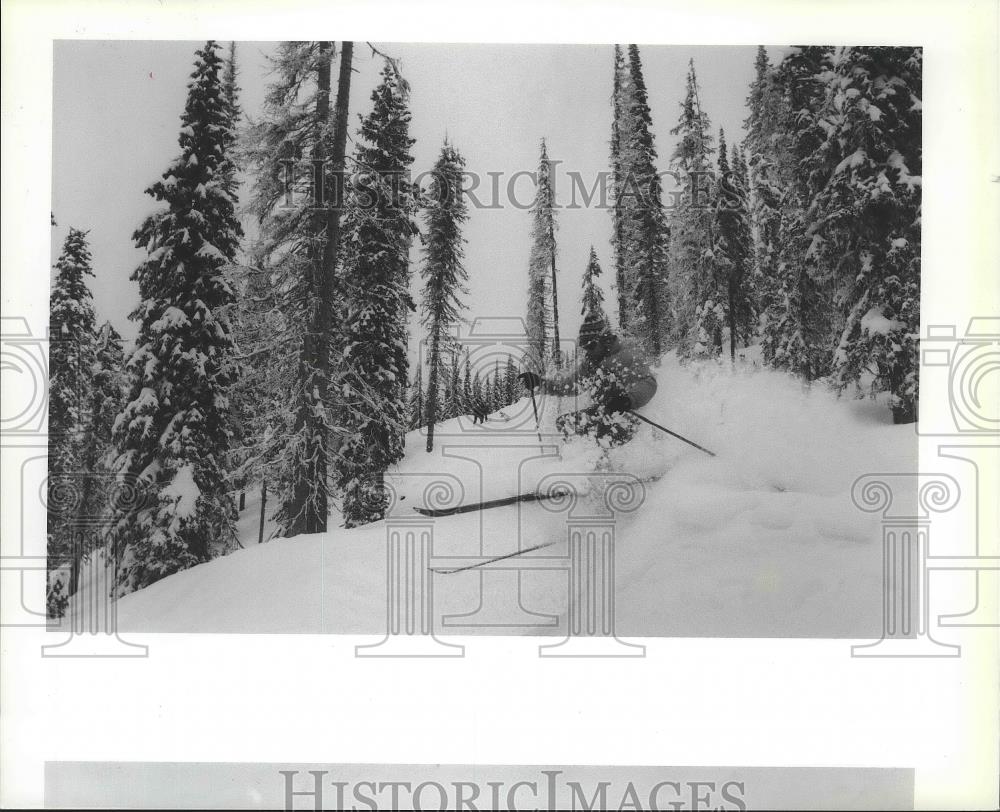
762 540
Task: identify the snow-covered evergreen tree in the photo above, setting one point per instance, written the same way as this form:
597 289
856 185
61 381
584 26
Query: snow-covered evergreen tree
246 399
864 223
769 177
443 275
800 322
299 211
477 399
453 387
378 228
106 402
641 233
259 396
511 385
542 321
622 186
172 435
731 252
231 90
466 402
751 280
71 354
694 299
488 394
647 238
71 361
107 394
416 406
593 297
548 201
497 397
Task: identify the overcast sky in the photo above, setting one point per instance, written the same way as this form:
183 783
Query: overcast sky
116 118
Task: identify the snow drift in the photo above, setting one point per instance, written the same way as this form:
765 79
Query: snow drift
762 540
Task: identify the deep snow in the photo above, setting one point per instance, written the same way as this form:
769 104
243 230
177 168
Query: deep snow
761 541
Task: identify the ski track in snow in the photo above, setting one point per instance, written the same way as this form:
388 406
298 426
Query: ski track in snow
761 541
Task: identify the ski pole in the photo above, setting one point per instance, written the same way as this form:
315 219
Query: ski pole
672 433
530 381
534 408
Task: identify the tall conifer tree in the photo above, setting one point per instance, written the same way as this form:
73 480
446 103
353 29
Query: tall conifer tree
865 220
593 297
379 228
769 168
649 236
730 253
623 185
543 327
800 321
71 361
298 150
172 435
691 225
443 274
417 399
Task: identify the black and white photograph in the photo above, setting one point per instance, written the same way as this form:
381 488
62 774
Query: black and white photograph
356 291
398 349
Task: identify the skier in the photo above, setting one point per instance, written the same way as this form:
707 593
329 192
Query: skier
618 379
480 413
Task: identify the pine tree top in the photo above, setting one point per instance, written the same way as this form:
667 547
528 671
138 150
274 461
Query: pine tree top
230 78
75 260
593 296
695 143
70 308
108 336
543 214
195 184
723 162
544 200
762 63
444 212
384 131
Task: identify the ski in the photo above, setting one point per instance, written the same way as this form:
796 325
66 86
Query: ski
492 560
492 503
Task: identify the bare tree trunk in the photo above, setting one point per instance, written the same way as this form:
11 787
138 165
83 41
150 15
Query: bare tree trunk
311 486
432 386
555 301
732 323
263 502
338 161
74 572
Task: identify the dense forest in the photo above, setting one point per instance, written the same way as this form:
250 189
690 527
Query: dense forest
281 365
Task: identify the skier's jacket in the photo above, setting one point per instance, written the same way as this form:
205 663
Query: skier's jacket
627 381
